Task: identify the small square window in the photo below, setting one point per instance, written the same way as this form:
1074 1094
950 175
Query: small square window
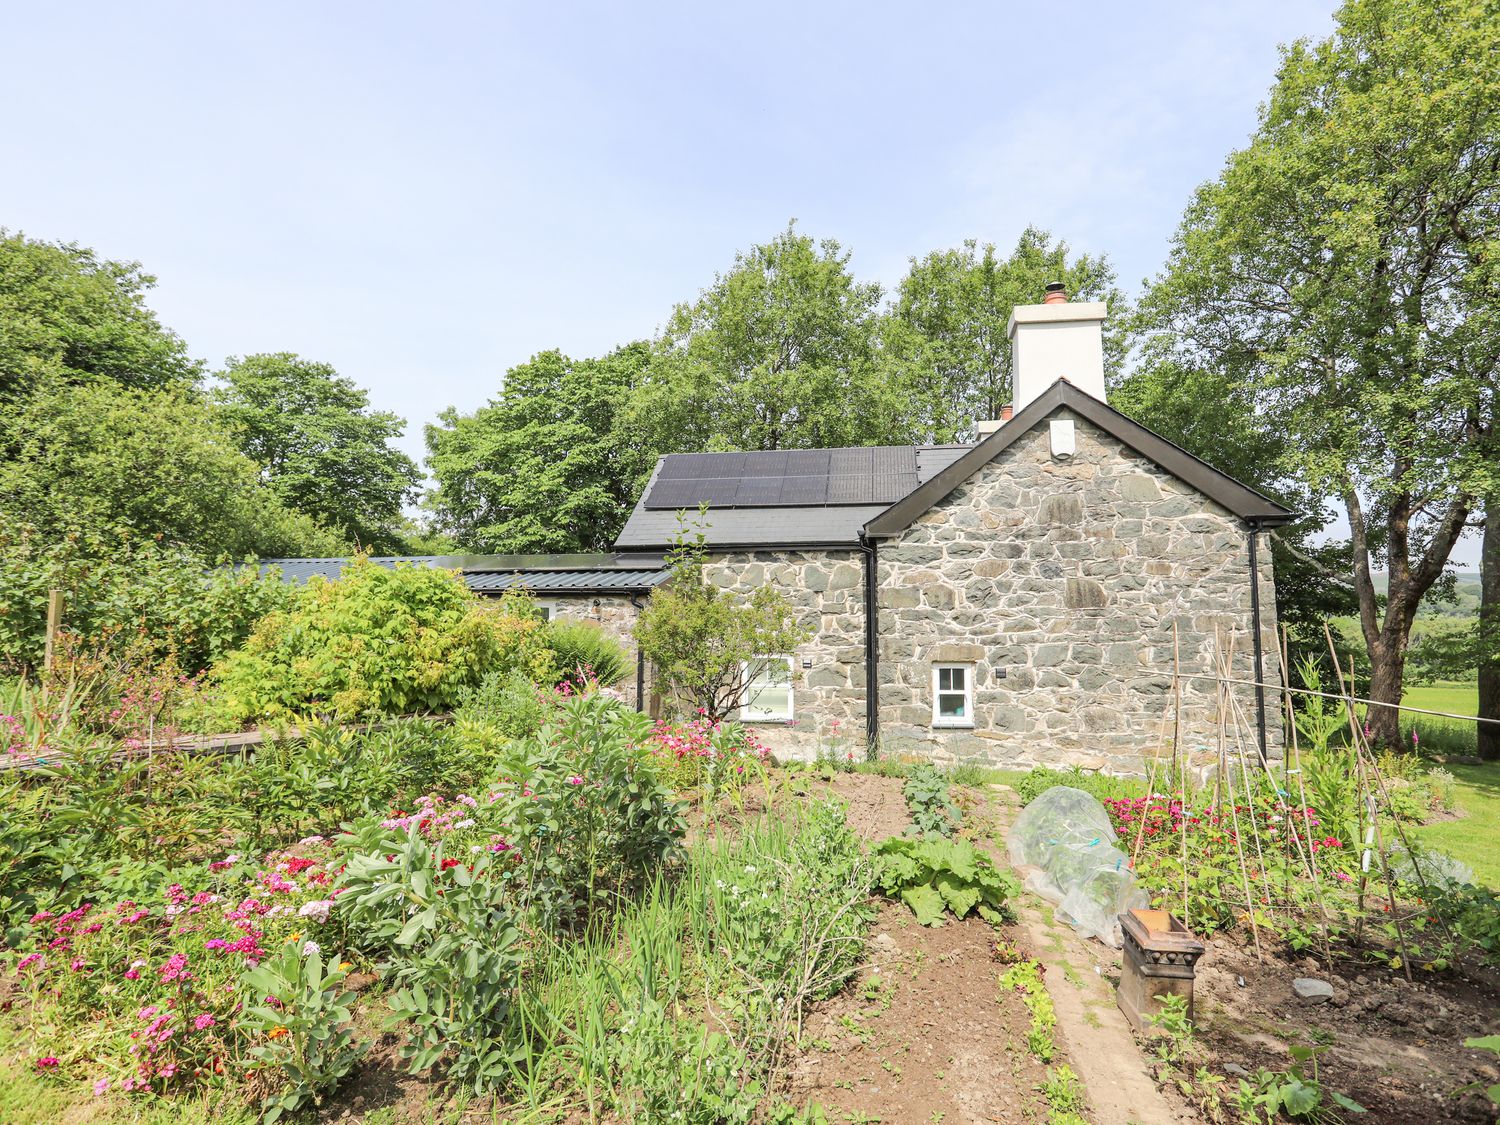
548 610
768 699
952 695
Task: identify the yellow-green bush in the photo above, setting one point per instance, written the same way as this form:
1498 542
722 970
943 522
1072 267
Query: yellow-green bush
376 641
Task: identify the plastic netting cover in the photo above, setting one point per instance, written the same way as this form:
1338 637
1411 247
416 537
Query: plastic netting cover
1067 838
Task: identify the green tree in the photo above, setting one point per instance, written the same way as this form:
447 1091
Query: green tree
103 459
319 445
946 335
66 313
778 353
548 465
703 640
1212 415
1342 267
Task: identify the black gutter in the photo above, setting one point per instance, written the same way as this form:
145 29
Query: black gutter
640 659
1260 672
872 644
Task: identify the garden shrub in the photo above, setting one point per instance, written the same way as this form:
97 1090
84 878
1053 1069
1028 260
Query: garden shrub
376 641
932 874
584 653
592 814
121 590
504 705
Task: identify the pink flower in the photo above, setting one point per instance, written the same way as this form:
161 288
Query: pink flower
575 780
46 1063
101 1086
203 1021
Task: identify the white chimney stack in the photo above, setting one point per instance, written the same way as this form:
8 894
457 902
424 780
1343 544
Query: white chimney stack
1056 340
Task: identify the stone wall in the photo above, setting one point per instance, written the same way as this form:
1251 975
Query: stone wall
826 590
616 616
1061 581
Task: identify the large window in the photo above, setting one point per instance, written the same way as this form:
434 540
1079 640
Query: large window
769 696
952 695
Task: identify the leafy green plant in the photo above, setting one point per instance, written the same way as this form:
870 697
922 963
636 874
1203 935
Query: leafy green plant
451 943
1026 978
784 1113
786 901
1295 1092
586 807
1489 1043
1066 1100
1099 785
582 651
308 1035
931 875
930 803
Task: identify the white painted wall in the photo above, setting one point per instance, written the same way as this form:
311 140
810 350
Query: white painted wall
1059 341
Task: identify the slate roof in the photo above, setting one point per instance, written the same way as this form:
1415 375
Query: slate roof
1240 499
492 574
813 498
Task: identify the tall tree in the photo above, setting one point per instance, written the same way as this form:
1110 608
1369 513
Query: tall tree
104 460
66 313
778 353
1489 632
946 335
319 445
548 465
1212 415
1341 266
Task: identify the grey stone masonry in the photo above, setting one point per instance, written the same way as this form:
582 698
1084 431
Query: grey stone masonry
826 591
1059 581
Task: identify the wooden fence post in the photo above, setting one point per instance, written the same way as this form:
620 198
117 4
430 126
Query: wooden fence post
54 623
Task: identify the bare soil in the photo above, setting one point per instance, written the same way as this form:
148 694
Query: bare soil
924 1034
1396 1048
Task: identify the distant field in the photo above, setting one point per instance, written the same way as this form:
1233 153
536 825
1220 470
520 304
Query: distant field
1458 699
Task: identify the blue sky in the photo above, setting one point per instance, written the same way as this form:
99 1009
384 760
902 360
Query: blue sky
424 195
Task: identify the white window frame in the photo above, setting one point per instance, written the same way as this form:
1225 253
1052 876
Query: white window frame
750 715
548 609
938 718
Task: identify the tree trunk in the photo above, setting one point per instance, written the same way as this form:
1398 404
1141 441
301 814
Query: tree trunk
1387 670
1489 633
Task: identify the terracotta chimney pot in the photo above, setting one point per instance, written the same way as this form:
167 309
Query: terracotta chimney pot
1005 412
1057 294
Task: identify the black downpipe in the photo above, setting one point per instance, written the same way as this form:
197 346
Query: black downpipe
1260 671
872 643
640 659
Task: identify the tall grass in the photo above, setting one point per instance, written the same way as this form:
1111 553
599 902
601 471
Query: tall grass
681 1006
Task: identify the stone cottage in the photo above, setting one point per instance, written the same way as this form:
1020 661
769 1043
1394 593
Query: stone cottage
1016 601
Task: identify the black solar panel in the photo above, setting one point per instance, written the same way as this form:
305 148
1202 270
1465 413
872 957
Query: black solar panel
804 490
756 492
851 490
785 478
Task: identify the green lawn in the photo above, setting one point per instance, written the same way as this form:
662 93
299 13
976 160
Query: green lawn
1475 837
